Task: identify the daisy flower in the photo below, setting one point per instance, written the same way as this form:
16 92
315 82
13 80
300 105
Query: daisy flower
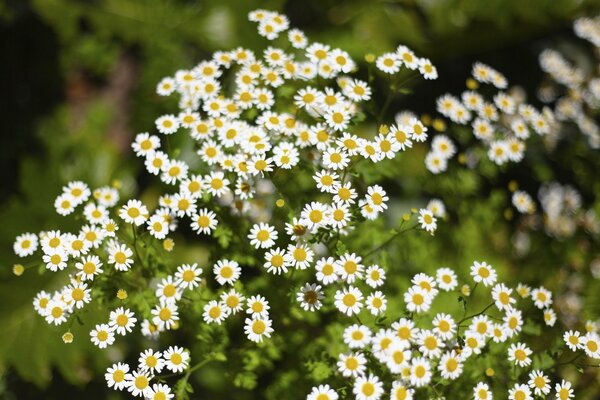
134 212
420 372
151 361
357 336
427 220
226 271
446 279
215 312
483 272
56 259
444 326
176 359
117 376
167 124
275 261
519 354
573 340
258 306
89 267
542 298
310 296
388 63
349 300
256 328
322 392
188 276
374 276
352 364
25 244
120 255
160 391
165 315
298 256
122 320
501 296
262 236
102 336
368 388
56 312
233 301
376 303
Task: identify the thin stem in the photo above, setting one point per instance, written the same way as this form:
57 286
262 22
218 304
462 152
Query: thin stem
135 247
476 315
389 240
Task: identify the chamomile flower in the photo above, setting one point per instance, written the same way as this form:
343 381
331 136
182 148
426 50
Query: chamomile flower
167 124
357 336
160 391
573 340
327 271
349 300
519 354
138 384
397 356
388 63
226 271
134 212
102 336
322 392
188 276
232 301
165 315
420 372
176 358
501 296
350 267
374 276
258 306
430 345
89 267
564 390
205 221
417 299
427 220
520 392
591 345
446 279
151 361
542 298
376 197
262 236
310 296
444 326
65 204
117 376
56 312
56 259
315 215
401 392
482 391
25 244
120 256
215 312
78 293
368 387
376 303
168 290
299 256
539 382
483 272
450 365
257 328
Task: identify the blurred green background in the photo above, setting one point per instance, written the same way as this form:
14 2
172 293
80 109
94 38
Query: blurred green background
78 80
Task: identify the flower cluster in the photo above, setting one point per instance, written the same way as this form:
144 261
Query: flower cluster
575 89
501 123
415 354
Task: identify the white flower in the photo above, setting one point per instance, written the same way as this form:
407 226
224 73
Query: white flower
103 335
349 300
262 236
122 320
483 272
257 327
176 359
117 376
